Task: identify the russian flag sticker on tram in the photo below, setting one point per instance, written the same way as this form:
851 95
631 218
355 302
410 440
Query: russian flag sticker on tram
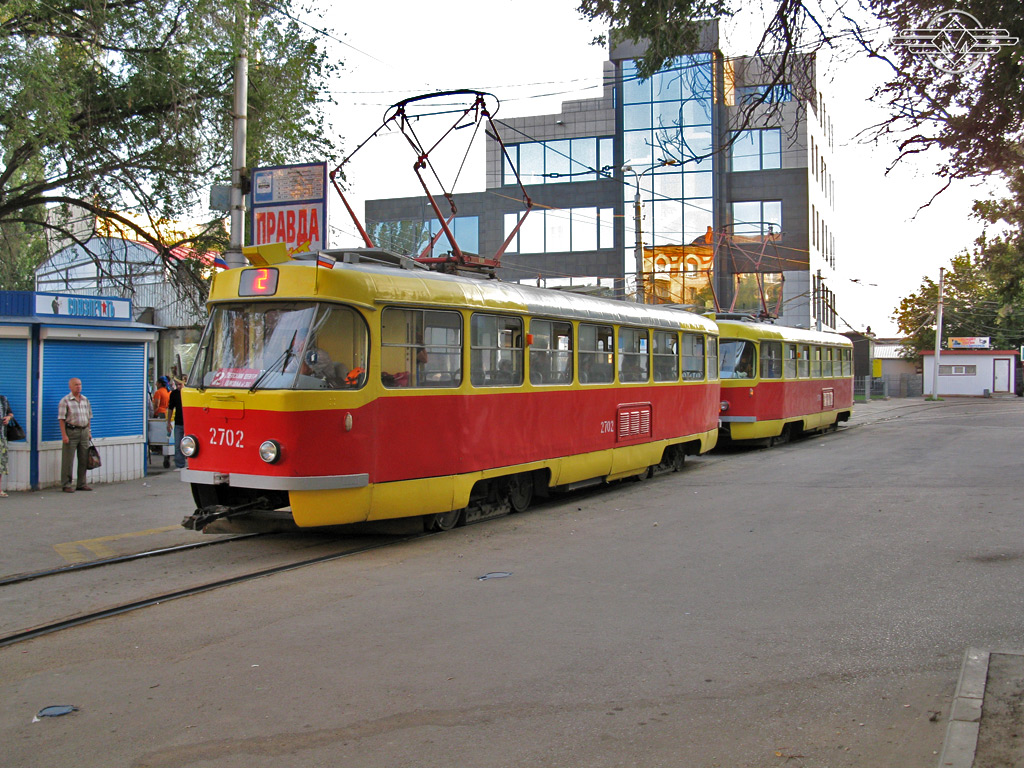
323 260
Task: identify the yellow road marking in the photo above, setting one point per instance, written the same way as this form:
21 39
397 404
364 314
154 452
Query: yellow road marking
72 551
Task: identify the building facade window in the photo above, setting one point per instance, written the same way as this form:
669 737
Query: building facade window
668 117
757 218
766 94
558 231
411 236
559 162
756 150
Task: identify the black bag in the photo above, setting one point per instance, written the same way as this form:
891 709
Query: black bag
14 430
93 459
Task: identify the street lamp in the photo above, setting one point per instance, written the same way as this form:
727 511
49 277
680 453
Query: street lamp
639 252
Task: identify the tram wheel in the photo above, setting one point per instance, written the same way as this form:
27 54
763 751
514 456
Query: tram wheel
520 492
444 521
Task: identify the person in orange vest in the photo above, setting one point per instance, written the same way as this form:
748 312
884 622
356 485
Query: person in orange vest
161 398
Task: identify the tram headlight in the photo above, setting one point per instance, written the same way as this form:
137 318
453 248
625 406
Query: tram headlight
189 445
270 451
723 406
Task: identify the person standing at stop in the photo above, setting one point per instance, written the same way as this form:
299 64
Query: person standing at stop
176 420
75 416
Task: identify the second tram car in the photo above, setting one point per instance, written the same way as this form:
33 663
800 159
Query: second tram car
370 391
778 382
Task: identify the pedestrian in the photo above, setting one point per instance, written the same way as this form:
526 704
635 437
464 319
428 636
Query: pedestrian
161 397
75 416
176 420
8 414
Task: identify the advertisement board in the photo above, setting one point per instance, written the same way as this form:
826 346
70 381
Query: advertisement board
289 205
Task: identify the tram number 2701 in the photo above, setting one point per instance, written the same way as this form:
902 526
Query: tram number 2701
229 437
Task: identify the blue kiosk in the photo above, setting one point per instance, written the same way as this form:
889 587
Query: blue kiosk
47 339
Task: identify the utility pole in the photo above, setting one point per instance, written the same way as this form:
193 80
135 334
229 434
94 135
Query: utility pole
641 294
819 302
239 173
938 340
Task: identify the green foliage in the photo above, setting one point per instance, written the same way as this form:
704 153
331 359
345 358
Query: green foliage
670 27
126 107
971 307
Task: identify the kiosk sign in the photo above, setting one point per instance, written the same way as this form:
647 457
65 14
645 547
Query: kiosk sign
970 342
289 205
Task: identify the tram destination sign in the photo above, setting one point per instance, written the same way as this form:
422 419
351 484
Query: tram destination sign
289 205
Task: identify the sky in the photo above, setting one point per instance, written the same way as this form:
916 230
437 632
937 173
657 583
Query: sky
534 54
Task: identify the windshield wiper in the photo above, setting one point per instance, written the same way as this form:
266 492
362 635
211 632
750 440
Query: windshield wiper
285 356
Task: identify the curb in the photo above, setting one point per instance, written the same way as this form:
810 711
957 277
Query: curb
965 715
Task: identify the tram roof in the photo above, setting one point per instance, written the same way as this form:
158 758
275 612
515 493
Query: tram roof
749 329
376 284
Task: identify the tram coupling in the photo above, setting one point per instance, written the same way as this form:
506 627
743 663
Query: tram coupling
203 516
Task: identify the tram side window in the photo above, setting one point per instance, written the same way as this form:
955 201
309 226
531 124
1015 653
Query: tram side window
804 361
597 354
771 359
496 351
633 359
815 362
791 360
737 359
420 348
712 358
550 352
827 369
666 356
693 357
847 363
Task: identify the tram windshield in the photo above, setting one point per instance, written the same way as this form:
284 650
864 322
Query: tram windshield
737 358
282 345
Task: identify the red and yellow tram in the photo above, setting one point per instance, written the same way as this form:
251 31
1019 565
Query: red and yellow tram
369 391
778 382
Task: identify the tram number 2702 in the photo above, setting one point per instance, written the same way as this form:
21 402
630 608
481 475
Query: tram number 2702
607 427
229 437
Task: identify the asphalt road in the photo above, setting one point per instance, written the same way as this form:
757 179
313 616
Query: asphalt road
807 605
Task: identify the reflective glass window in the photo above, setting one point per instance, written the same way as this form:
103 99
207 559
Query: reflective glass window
737 359
693 357
790 369
596 354
283 345
550 352
584 229
633 362
634 90
496 351
607 151
584 159
697 184
420 348
556 231
606 228
636 116
665 355
771 359
531 163
712 358
511 219
556 162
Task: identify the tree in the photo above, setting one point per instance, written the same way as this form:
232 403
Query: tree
971 307
126 107
976 118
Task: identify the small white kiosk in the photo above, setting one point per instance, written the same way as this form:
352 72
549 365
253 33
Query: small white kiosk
969 369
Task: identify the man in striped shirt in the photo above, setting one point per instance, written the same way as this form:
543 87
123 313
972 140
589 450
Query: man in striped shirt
75 414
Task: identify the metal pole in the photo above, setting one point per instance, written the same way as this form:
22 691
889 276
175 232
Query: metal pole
641 296
819 303
938 340
233 256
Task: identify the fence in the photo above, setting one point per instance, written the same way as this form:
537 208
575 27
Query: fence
899 385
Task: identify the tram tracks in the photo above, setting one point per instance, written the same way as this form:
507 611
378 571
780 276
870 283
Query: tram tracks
75 616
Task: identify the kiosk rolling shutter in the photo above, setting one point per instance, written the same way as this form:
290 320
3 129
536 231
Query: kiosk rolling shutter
113 377
13 375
